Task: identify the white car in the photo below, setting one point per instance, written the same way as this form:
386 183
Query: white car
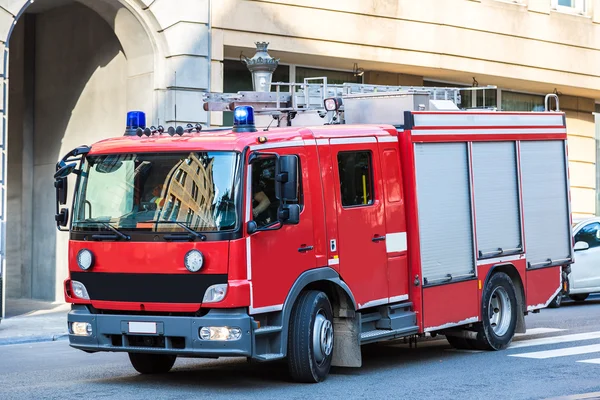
584 278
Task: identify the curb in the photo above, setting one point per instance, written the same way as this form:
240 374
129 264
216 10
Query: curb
33 339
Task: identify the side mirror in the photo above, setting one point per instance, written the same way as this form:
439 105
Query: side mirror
286 186
252 227
64 170
580 246
62 218
61 190
289 214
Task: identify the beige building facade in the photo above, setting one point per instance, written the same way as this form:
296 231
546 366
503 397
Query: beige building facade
73 68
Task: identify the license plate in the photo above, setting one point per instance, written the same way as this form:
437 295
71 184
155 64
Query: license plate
142 327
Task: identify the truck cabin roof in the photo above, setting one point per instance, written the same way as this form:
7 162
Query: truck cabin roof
227 140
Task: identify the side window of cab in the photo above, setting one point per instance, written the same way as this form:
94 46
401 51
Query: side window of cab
265 203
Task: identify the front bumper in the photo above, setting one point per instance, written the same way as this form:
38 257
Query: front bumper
174 335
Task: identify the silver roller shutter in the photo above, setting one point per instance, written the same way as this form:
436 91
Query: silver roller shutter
546 212
444 203
496 192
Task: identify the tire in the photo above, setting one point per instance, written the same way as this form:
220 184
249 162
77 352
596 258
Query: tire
499 314
310 340
556 302
579 297
152 363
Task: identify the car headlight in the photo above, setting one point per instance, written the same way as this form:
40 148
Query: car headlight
193 260
220 333
79 290
85 259
215 293
81 328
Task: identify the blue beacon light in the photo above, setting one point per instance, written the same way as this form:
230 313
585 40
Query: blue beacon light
135 120
243 119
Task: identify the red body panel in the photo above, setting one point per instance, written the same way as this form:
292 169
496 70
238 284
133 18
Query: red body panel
451 304
395 219
363 262
150 257
543 284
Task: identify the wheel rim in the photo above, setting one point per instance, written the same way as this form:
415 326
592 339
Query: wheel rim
499 311
558 299
322 337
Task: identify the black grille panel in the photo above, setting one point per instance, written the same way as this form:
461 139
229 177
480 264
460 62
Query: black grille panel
148 288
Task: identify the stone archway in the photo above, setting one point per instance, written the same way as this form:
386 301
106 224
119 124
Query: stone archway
76 67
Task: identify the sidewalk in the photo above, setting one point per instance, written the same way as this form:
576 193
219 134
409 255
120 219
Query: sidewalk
29 321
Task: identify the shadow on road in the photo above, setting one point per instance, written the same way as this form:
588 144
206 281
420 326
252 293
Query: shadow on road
227 374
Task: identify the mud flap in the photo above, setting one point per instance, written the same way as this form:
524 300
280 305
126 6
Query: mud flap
521 327
346 342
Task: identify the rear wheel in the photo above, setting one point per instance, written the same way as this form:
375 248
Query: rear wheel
152 363
579 297
310 341
499 314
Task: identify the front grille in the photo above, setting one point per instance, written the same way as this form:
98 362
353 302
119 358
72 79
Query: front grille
148 288
155 342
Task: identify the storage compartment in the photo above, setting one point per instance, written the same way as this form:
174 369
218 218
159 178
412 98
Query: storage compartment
445 217
496 190
545 203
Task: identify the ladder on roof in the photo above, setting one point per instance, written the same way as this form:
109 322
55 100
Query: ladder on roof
310 96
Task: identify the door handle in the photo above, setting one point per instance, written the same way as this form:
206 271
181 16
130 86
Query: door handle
304 249
378 239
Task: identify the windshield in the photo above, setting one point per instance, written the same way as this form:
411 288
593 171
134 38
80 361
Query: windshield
158 192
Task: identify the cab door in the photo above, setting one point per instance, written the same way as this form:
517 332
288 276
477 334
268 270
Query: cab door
361 219
277 257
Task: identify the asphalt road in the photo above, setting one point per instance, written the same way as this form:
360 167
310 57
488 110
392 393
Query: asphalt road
53 370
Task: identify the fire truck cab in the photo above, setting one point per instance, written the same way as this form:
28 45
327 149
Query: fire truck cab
404 216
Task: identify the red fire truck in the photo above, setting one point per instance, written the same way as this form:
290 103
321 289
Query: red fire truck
402 216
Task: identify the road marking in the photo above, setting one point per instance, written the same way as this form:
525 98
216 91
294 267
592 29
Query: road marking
591 361
530 332
555 339
539 331
464 351
569 351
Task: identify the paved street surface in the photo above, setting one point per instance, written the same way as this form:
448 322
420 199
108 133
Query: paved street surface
558 357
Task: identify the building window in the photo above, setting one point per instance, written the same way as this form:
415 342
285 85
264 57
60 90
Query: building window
194 191
356 178
515 101
470 98
333 77
189 217
574 6
175 213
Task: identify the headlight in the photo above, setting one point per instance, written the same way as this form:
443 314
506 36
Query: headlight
221 333
79 290
85 259
193 260
215 293
81 328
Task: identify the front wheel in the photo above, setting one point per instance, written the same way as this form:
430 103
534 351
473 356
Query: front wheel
556 302
310 341
152 363
579 297
499 314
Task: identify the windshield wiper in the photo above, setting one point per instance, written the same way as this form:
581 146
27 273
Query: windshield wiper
184 226
109 226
